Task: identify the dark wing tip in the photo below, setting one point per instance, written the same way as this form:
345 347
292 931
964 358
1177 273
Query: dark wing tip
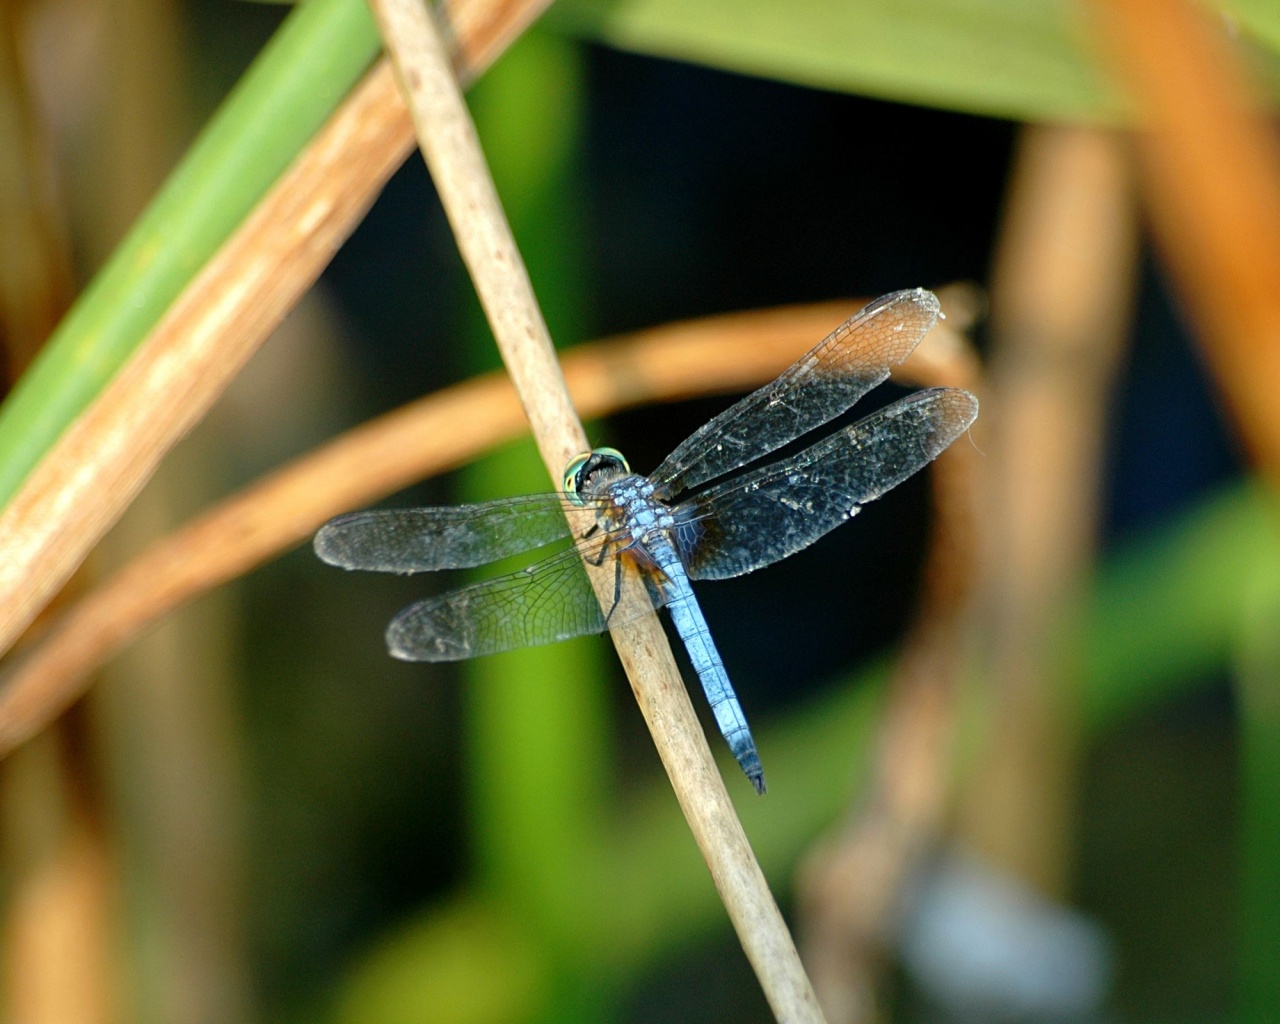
399 644
328 545
965 404
886 330
338 542
416 634
921 297
923 300
955 409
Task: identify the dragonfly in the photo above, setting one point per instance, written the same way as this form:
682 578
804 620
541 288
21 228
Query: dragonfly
657 533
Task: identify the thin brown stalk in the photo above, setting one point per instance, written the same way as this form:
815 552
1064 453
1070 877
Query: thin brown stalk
365 465
852 884
100 463
734 352
1209 168
448 142
1061 301
60 925
35 268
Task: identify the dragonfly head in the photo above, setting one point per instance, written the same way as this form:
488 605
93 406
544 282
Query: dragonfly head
588 471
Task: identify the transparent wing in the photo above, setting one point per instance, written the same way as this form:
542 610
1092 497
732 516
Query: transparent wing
848 363
549 601
758 519
456 537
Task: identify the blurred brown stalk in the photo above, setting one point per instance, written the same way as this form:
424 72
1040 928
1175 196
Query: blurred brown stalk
1210 174
712 355
1015 528
96 468
59 929
851 883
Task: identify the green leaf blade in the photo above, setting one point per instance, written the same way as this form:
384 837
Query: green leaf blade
294 85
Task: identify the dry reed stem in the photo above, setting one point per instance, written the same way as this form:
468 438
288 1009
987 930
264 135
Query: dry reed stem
35 268
59 922
60 926
1061 302
734 352
851 885
449 145
1210 170
100 463
1060 299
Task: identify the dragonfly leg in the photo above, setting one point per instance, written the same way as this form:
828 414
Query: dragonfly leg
597 560
617 588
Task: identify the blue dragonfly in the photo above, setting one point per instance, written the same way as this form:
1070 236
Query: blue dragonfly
719 530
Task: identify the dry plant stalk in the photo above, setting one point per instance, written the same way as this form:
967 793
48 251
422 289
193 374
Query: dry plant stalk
100 463
851 885
103 459
734 352
1062 295
59 927
449 145
1060 301
1210 169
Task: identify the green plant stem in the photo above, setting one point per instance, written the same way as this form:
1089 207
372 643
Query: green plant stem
1258 685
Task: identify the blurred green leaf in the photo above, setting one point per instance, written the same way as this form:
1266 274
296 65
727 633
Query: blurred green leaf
299 78
1167 609
1164 614
1258 677
466 963
1023 59
1259 18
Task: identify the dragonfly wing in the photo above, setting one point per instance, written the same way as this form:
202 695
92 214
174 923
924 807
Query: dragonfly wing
549 601
758 519
456 537
848 363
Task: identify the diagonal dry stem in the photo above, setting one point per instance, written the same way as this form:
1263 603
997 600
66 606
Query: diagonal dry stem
448 142
852 883
101 462
733 352
1209 171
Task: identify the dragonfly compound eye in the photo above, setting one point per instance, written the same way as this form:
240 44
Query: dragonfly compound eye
580 471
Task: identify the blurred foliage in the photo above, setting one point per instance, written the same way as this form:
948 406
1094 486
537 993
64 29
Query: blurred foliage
1030 60
1257 665
1164 613
1022 60
1260 17
274 110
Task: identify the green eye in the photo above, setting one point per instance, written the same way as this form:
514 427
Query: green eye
582 467
571 471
